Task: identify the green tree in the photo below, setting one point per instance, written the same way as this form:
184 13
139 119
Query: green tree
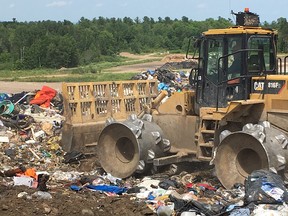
61 52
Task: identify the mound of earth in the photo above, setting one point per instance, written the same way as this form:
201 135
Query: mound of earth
174 58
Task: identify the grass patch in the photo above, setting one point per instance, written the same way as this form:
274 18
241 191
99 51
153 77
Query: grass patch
80 78
102 66
29 73
92 72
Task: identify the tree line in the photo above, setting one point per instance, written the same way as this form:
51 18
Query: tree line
56 44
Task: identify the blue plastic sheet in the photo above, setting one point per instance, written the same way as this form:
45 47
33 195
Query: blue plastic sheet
162 86
104 188
108 188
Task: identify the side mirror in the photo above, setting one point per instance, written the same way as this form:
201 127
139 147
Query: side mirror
195 46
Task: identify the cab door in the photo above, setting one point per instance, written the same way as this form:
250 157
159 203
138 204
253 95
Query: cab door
209 76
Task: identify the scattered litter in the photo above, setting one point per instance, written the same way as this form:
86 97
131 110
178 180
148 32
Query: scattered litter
23 180
29 137
42 195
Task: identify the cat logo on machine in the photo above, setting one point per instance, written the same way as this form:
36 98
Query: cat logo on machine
270 86
258 86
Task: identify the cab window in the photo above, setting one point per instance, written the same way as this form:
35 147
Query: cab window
235 60
215 51
254 57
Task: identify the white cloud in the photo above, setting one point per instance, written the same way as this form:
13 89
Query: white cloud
124 4
12 5
58 4
201 5
99 5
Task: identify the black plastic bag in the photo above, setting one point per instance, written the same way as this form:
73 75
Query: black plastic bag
165 184
266 187
197 207
73 157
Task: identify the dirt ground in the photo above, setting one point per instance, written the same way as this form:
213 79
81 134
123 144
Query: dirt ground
17 87
84 202
67 202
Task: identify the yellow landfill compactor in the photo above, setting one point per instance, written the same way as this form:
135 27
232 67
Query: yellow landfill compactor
236 116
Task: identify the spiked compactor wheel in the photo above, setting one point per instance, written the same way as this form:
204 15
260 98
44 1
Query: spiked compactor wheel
130 146
258 146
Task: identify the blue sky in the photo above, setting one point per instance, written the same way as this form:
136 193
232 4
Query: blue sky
73 10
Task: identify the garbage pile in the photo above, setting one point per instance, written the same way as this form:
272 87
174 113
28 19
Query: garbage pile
178 65
196 194
184 194
31 156
170 76
30 129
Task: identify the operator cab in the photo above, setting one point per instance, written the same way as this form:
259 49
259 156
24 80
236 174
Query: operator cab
228 58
